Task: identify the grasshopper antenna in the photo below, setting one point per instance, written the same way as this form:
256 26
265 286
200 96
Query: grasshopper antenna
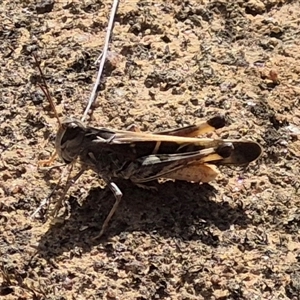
44 87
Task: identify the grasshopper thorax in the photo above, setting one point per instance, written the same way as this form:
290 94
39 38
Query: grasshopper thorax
69 139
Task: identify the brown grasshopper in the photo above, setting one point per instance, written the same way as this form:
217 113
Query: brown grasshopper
142 157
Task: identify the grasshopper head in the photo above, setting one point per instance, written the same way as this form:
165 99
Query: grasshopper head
69 139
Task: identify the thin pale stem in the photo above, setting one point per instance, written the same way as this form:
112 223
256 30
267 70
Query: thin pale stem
103 58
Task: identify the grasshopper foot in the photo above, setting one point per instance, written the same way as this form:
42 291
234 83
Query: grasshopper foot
118 196
47 162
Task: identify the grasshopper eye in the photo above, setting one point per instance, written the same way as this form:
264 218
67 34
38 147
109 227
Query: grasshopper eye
71 133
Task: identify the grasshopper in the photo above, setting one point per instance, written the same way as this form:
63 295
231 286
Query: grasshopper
142 157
